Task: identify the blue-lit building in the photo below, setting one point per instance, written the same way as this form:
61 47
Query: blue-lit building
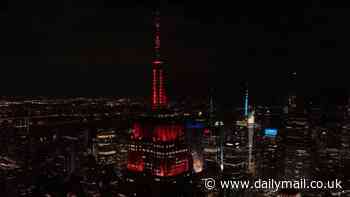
268 153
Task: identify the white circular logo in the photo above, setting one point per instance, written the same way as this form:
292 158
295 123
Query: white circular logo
209 183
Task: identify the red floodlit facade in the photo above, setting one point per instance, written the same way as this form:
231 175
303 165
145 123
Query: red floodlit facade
159 98
135 162
157 146
167 133
158 149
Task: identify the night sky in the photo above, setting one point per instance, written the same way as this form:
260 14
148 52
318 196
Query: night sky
90 47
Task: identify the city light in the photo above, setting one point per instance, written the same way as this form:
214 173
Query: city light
270 132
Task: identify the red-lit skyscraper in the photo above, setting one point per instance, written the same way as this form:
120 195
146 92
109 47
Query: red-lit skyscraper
157 147
159 98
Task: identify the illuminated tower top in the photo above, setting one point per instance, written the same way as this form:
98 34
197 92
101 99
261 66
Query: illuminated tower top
157 36
246 103
159 99
211 109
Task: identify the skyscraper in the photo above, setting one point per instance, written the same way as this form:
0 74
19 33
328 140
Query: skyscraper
298 160
159 98
158 148
104 149
211 140
158 151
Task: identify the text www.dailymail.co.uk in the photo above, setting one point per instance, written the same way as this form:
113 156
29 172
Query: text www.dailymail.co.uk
270 184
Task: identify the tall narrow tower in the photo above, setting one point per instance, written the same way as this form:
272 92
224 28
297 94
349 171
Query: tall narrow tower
159 98
246 104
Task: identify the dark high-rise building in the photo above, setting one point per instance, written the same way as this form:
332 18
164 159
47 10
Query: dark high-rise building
298 158
105 146
122 152
213 140
268 156
195 127
70 154
295 100
211 147
345 154
328 161
235 152
23 142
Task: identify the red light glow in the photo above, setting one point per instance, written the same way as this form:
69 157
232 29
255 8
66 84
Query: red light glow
154 88
136 132
175 160
206 132
135 162
167 133
159 98
157 62
166 170
161 88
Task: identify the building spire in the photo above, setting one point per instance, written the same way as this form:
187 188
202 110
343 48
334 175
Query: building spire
159 99
246 101
157 34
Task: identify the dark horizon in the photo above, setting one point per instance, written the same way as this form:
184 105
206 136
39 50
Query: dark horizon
105 48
